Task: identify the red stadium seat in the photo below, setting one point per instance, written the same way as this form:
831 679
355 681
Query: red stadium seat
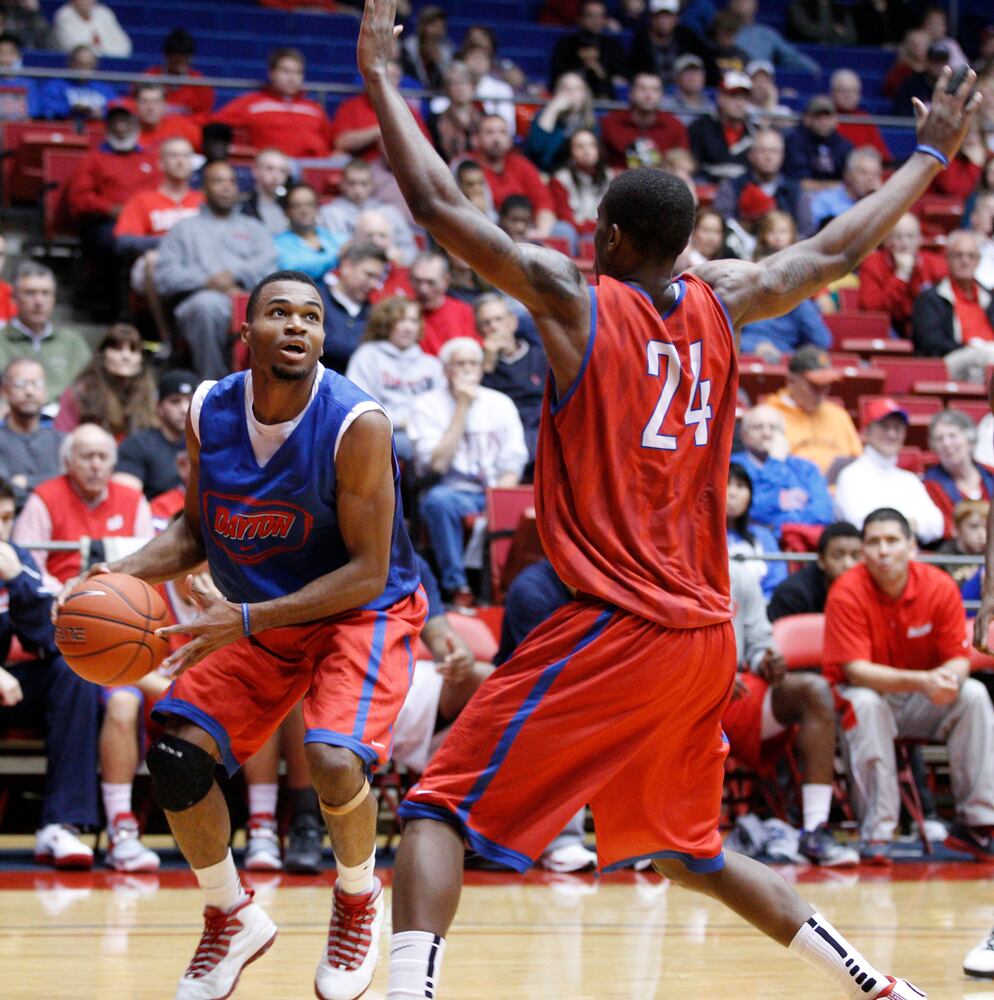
910 459
872 348
757 379
950 391
505 508
975 409
800 639
849 299
868 325
25 179
58 166
902 373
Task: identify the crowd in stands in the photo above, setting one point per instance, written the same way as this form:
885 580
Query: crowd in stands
185 200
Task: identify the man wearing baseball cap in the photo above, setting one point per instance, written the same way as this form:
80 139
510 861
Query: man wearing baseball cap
874 479
660 41
814 149
146 460
721 142
817 429
689 78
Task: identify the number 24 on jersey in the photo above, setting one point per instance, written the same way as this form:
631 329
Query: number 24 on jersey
664 362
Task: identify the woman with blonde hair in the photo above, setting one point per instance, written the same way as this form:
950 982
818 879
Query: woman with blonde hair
115 390
390 365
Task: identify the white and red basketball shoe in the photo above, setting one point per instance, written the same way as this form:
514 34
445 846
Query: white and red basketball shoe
126 852
60 846
347 966
901 989
231 940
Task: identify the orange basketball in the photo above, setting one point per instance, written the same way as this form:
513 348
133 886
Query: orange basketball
105 629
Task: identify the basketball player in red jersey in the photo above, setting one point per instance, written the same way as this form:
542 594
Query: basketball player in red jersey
616 700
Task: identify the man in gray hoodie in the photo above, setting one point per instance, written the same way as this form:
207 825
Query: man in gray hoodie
205 262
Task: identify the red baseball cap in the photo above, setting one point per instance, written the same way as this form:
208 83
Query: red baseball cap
881 408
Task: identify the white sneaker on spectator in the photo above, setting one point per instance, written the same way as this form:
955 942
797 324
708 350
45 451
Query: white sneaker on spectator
59 845
936 831
262 849
572 857
231 940
979 961
127 853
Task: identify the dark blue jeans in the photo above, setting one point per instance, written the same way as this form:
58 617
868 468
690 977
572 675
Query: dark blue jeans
66 708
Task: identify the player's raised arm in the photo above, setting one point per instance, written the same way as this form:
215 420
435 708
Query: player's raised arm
777 284
548 283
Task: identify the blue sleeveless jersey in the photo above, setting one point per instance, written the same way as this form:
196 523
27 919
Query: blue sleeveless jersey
270 531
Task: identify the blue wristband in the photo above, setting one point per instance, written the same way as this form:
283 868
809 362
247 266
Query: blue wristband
245 619
932 151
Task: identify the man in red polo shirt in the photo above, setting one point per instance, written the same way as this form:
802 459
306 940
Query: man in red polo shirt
279 115
639 135
895 647
509 173
444 317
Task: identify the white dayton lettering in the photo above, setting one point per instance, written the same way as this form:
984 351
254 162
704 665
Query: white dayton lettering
917 631
243 527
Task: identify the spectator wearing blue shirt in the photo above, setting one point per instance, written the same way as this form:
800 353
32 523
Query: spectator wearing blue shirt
77 98
760 41
43 692
814 150
770 339
306 246
512 365
786 490
346 301
20 97
748 538
863 174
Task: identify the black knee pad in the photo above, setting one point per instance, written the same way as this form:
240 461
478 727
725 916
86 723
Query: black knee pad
182 773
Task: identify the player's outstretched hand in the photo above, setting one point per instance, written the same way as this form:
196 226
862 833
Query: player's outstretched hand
945 122
95 570
458 660
982 627
218 624
376 36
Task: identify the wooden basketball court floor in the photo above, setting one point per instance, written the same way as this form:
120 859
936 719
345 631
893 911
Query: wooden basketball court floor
103 936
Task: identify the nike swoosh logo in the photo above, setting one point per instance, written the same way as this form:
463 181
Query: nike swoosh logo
375 744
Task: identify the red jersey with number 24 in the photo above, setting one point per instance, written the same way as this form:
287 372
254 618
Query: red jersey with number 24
632 464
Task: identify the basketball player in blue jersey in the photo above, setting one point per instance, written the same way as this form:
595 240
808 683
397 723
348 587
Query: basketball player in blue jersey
294 502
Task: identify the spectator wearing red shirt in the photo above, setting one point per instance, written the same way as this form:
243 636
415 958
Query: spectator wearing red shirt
178 50
891 278
155 124
8 307
846 91
895 644
508 172
148 215
373 226
103 182
279 115
639 135
444 317
356 130
954 320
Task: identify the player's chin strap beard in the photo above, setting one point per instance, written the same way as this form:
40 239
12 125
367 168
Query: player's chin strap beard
353 803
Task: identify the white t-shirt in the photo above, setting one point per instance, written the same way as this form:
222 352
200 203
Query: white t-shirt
493 442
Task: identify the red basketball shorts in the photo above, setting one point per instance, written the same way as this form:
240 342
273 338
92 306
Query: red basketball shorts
598 706
743 725
352 671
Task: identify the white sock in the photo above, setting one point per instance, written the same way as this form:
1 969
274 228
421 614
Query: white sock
359 879
415 962
823 947
117 799
817 804
262 799
220 883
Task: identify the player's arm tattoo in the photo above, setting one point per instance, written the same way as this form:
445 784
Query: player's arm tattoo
794 271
